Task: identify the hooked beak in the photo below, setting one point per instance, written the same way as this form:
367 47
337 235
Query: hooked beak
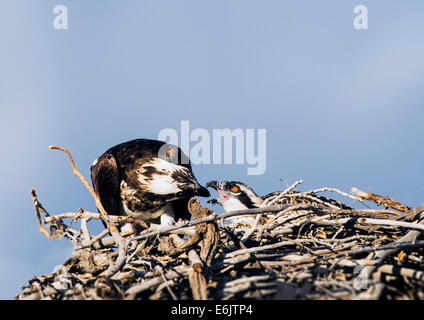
215 185
218 187
201 191
212 184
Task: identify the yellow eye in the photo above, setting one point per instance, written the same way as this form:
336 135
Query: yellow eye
234 189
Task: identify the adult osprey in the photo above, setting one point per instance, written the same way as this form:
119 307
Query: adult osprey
235 195
146 179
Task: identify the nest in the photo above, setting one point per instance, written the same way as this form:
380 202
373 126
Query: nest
315 250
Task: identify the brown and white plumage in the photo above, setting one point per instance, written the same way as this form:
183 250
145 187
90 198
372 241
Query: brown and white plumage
145 179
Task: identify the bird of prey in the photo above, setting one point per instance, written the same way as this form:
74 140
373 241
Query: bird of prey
236 195
146 179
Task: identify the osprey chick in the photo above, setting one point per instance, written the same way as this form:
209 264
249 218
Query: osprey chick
146 179
236 195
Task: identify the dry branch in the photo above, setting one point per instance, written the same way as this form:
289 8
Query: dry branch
119 241
380 200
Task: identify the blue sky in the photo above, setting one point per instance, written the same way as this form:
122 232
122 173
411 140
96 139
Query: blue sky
342 107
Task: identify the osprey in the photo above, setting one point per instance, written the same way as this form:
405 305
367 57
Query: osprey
146 179
235 195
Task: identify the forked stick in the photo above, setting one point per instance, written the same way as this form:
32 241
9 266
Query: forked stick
99 205
119 240
37 213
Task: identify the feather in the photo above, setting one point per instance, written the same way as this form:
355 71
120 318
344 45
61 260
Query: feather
145 179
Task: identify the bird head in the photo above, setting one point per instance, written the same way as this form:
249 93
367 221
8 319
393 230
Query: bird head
161 177
234 195
188 184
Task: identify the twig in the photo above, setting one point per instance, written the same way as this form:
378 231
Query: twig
37 213
166 283
278 197
105 217
380 256
380 200
402 271
103 213
60 229
326 189
258 249
249 232
196 278
378 222
146 285
185 224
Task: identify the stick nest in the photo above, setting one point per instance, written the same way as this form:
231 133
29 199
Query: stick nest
314 250
302 252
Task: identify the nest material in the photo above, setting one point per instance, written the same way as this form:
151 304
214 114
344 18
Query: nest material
305 251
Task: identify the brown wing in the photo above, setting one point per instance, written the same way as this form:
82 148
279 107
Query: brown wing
106 183
133 154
